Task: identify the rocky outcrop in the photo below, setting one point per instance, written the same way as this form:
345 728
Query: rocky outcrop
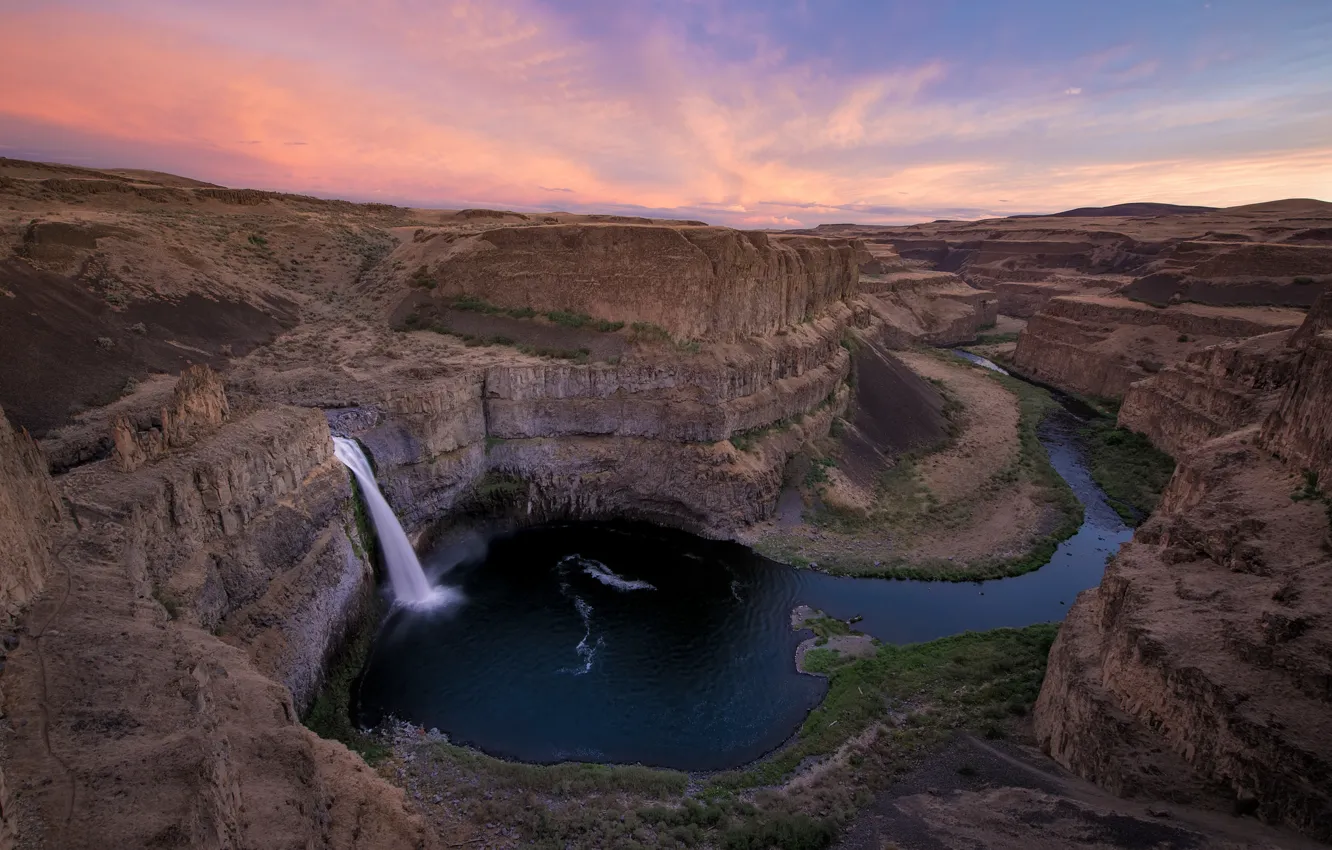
1024 299
1233 385
29 508
198 405
1212 392
1099 346
1204 659
222 576
931 308
694 282
644 438
1300 429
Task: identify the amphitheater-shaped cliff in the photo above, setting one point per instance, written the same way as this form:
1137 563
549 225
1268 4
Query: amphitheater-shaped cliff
212 537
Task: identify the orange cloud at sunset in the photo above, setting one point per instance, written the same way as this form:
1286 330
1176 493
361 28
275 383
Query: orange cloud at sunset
519 105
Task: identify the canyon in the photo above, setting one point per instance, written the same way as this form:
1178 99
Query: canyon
169 486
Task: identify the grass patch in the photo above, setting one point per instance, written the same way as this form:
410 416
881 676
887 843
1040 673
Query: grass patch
982 682
749 439
579 355
1310 492
995 339
973 680
823 628
568 318
564 318
1126 465
169 603
422 278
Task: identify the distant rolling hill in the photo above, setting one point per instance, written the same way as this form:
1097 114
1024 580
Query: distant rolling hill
1123 210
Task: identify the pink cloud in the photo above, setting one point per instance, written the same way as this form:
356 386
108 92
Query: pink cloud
502 104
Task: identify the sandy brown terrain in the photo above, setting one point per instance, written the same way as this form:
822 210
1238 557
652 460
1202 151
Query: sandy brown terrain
955 502
194 519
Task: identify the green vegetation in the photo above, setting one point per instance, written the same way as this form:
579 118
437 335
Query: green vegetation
569 319
169 603
565 318
648 332
258 241
969 681
580 355
422 277
1310 492
818 471
1126 465
995 339
902 503
823 628
577 355
473 304
1303 280
915 697
749 439
330 714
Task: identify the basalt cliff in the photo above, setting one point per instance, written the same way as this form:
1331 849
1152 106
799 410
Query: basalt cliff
185 556
182 503
1110 297
1202 665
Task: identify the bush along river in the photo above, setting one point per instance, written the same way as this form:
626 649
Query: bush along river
632 643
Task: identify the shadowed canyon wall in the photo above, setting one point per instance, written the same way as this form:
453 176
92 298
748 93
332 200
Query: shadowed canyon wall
1204 659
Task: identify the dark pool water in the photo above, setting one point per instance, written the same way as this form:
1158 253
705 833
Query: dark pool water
626 643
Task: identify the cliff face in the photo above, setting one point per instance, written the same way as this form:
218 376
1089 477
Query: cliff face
1204 659
928 307
645 439
220 577
1100 345
1300 429
198 405
695 282
1212 392
29 507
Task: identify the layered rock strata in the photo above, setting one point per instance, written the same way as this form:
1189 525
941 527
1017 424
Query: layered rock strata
641 439
1278 253
928 307
1203 662
694 282
1099 346
194 604
1212 392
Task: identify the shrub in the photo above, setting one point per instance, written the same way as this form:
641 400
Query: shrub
568 318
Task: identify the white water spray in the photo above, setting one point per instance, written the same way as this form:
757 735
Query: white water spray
408 580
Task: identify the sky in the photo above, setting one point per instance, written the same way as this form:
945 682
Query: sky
787 113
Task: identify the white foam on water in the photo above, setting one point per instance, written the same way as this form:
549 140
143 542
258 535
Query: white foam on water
605 574
406 578
587 651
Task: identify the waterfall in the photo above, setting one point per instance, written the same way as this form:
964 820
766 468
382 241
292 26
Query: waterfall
410 586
